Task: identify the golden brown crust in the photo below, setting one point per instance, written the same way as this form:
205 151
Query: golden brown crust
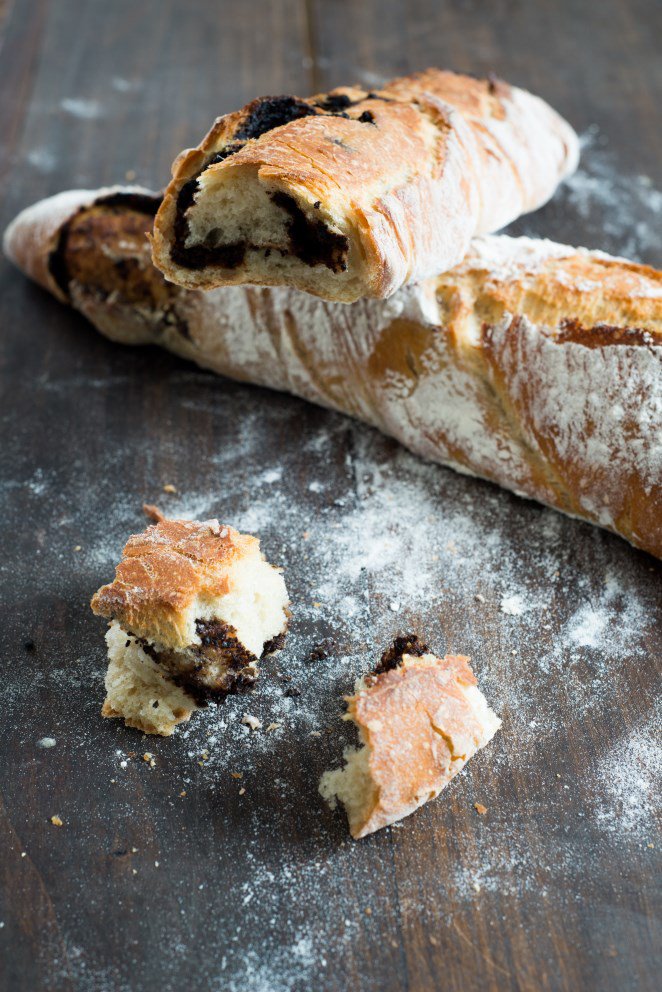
482 368
420 728
164 571
425 163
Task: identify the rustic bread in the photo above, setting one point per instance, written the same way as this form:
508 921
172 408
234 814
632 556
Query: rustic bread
354 193
532 364
420 718
200 601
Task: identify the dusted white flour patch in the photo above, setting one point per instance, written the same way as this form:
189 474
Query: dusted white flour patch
513 606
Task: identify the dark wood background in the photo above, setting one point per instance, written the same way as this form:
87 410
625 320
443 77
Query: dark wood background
262 891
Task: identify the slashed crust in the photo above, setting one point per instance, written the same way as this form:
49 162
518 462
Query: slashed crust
532 364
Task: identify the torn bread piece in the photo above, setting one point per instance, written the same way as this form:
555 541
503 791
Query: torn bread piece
420 718
138 689
193 607
355 193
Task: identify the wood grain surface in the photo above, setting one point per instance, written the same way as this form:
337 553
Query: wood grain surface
556 887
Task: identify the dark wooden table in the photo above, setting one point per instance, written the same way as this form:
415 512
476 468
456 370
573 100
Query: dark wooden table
261 890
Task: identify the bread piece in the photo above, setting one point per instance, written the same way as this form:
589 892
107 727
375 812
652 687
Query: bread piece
354 193
139 691
200 600
420 718
534 365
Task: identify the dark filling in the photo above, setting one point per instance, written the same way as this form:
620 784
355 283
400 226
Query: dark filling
141 203
275 644
219 666
311 242
392 657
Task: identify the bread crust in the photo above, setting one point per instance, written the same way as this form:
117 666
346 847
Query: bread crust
408 174
420 727
164 571
534 365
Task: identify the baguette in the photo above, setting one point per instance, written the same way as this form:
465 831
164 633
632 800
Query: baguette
420 718
531 364
354 193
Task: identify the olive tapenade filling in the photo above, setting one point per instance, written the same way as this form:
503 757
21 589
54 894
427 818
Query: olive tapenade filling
219 666
310 241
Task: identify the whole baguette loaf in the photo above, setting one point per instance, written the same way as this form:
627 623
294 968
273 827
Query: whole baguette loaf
353 193
531 364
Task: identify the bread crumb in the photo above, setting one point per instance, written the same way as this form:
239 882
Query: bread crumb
182 793
237 774
46 742
273 726
251 721
479 598
56 821
394 606
134 850
169 488
242 791
135 871
149 758
153 513
24 854
434 941
477 886
368 911
480 809
78 547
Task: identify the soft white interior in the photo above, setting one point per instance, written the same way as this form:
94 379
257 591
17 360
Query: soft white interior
488 720
352 785
134 683
238 208
226 212
255 605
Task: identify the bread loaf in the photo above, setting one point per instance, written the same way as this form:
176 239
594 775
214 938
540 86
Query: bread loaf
532 364
353 193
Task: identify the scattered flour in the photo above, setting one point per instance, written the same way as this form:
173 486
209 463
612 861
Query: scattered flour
85 109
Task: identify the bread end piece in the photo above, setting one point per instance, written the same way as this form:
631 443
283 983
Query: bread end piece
419 722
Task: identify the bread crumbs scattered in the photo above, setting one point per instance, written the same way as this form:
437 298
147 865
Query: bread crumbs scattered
149 758
237 774
56 821
169 488
182 793
251 721
242 791
368 911
480 809
78 547
273 726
